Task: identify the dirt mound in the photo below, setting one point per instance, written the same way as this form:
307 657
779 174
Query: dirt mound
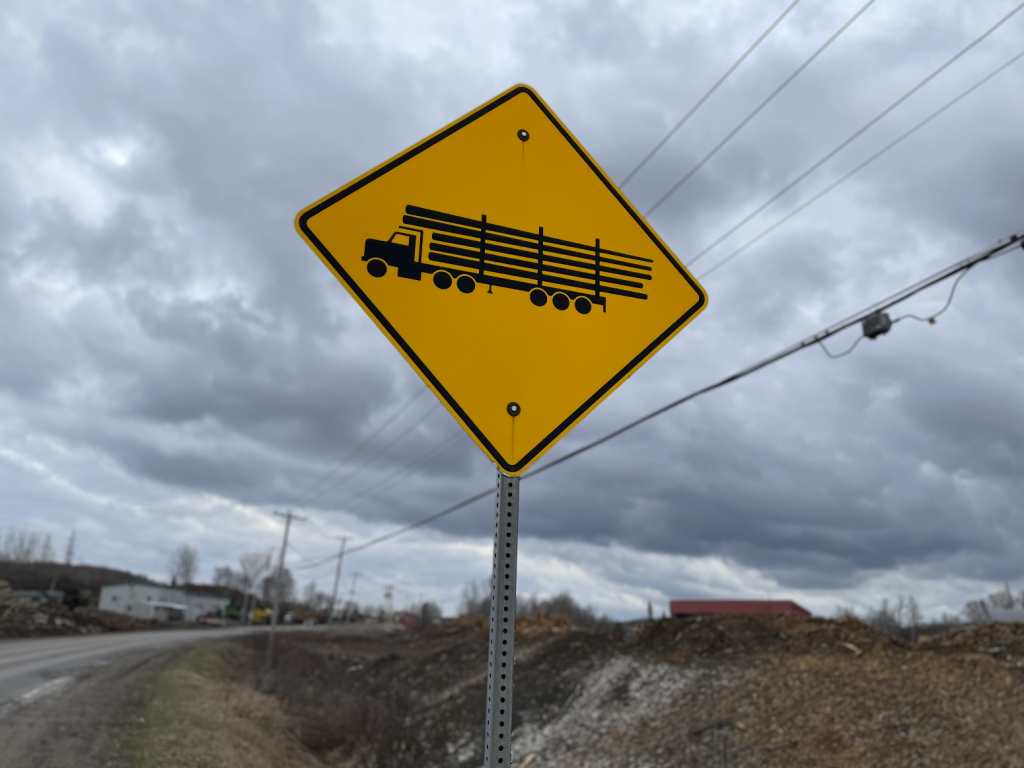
730 635
469 620
985 638
25 618
544 624
539 623
769 691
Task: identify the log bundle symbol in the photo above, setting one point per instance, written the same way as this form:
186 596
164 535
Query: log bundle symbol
469 252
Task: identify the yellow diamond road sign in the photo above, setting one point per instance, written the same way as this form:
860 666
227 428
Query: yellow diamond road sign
508 270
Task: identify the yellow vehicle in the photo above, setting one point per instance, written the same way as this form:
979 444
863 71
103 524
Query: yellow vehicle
261 615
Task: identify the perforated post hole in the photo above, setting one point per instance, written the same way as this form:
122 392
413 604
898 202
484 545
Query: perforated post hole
497 745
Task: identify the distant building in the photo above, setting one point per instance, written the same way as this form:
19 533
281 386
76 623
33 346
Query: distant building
746 607
1010 615
40 595
143 600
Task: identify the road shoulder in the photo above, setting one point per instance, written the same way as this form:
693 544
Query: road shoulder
85 724
203 709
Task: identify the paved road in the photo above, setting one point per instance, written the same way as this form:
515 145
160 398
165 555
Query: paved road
30 669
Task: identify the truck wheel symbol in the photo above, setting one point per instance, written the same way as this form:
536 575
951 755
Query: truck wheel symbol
377 267
583 305
442 280
539 297
561 301
466 284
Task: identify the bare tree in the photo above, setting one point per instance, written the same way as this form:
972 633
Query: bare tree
976 612
563 604
884 618
1002 599
183 565
225 576
46 554
252 566
269 587
315 601
69 552
476 599
19 546
309 595
900 610
913 616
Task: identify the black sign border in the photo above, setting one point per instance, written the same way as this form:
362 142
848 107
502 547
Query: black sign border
303 223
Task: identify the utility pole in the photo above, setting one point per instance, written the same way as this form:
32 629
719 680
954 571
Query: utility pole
388 592
337 578
288 517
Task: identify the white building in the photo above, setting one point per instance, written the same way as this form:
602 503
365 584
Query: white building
155 601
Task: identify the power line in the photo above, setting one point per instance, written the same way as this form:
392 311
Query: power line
759 107
896 298
706 96
931 318
853 137
359 467
852 320
859 168
311 563
841 354
341 462
421 523
398 474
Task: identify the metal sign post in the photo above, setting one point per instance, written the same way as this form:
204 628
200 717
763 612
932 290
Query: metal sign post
498 740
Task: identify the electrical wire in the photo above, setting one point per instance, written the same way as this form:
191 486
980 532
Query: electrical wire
1002 247
391 479
931 318
854 136
706 96
305 566
421 523
841 354
360 467
320 530
832 330
759 107
341 462
862 166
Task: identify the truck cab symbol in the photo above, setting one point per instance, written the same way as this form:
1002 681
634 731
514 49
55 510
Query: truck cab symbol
404 251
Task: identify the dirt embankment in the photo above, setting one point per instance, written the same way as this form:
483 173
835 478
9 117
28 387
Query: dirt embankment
715 691
764 691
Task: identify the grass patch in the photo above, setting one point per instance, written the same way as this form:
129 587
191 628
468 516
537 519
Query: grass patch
201 714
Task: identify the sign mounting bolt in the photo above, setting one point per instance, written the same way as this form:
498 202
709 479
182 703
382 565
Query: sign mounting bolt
523 134
513 409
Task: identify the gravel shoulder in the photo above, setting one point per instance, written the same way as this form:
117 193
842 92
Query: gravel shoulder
85 724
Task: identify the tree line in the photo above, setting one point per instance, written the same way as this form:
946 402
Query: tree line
19 546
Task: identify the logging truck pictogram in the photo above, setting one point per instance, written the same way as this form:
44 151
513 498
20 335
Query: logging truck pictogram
469 252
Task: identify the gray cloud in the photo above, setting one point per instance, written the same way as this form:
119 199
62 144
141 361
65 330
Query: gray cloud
164 332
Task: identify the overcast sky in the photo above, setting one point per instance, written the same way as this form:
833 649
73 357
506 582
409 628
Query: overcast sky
175 363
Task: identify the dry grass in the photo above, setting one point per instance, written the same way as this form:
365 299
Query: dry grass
889 709
201 715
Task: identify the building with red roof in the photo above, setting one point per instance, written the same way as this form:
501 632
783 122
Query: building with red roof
745 607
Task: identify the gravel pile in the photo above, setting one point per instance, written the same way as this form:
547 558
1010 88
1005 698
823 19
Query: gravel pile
25 618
